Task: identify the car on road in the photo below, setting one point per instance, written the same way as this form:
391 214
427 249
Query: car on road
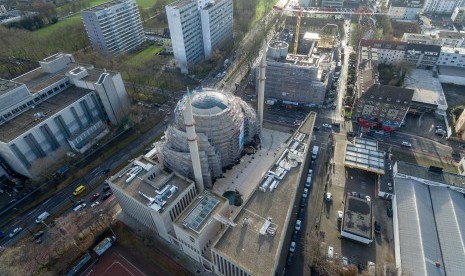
79 207
305 193
15 232
389 212
440 132
290 256
106 196
292 247
77 203
328 197
377 227
340 214
298 225
326 126
406 144
94 197
79 190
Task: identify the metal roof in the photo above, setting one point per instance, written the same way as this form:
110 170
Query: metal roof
364 155
431 227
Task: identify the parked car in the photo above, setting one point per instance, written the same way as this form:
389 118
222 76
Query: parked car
95 196
15 232
305 193
456 154
106 188
330 252
37 235
326 126
328 197
292 247
340 214
389 212
95 204
295 236
316 128
77 203
106 196
377 227
440 132
298 225
301 214
79 207
406 144
2 235
290 256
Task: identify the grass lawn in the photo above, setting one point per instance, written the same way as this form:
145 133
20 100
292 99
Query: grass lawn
76 19
140 58
145 3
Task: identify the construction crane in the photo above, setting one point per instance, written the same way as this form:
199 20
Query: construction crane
297 31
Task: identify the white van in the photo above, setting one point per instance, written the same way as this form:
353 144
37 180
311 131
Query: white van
42 217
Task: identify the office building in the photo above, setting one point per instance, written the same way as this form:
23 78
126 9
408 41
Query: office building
405 9
114 27
198 28
60 106
442 6
458 16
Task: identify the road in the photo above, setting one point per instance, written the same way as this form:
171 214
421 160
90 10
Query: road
91 180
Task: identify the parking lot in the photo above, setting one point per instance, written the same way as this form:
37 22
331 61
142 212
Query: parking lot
344 180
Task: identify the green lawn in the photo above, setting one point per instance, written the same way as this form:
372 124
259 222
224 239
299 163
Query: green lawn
74 20
140 58
145 3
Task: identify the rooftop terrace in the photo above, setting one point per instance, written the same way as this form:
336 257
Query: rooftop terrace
254 235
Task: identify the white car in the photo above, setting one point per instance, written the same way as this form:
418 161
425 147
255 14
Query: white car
292 247
368 198
15 232
310 172
298 224
305 193
340 214
326 125
330 251
328 197
95 204
406 144
79 207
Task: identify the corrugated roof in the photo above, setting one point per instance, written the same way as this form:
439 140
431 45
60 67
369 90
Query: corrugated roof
431 226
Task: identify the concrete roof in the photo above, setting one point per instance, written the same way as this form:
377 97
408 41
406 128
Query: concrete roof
427 88
22 123
431 228
243 244
6 86
151 181
106 5
451 71
358 217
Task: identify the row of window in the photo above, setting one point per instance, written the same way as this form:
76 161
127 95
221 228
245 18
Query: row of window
189 246
182 204
227 268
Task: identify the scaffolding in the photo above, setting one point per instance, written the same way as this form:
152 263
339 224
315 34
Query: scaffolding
224 124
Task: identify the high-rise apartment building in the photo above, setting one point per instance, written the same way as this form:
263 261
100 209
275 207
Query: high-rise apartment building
197 28
442 6
114 27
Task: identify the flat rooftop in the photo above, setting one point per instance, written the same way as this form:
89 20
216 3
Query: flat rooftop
145 181
22 123
200 212
427 88
105 5
38 79
451 71
180 3
6 86
243 244
358 217
443 177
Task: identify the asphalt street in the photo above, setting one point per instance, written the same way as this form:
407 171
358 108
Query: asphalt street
92 181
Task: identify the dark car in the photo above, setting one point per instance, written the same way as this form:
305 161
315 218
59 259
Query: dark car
350 134
106 196
301 214
456 154
316 128
295 236
2 235
37 235
377 227
95 197
290 256
389 212
106 188
77 203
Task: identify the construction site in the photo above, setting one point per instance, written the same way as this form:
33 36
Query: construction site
302 76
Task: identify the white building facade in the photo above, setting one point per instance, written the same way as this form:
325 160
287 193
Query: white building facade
217 25
57 107
114 27
442 6
197 28
458 16
452 57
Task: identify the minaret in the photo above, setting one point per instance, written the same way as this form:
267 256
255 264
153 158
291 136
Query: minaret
192 140
261 85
